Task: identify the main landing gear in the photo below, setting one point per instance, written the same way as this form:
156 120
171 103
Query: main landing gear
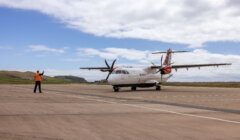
133 88
116 89
158 87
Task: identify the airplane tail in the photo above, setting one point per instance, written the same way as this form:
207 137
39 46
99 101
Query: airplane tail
168 58
166 65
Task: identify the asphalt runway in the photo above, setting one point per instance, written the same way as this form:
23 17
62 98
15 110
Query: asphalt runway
94 112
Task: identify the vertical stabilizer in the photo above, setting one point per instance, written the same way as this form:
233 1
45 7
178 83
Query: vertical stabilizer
167 60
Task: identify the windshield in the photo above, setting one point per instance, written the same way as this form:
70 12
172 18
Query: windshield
120 72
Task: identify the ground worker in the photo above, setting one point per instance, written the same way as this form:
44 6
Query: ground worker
38 79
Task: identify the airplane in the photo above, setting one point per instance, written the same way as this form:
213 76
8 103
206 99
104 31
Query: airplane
149 76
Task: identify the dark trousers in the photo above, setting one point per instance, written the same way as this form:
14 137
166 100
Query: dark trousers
37 84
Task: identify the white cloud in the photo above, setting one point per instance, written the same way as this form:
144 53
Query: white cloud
45 49
140 59
74 60
88 75
112 53
179 21
6 48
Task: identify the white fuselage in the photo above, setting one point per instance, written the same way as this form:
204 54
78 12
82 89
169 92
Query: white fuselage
136 77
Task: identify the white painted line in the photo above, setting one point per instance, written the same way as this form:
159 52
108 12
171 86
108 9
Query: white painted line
154 109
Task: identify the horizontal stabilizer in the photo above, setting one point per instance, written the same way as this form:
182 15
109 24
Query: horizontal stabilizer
171 52
193 66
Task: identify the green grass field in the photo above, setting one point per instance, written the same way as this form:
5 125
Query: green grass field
205 84
7 80
16 77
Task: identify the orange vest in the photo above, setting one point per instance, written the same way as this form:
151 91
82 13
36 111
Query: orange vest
38 77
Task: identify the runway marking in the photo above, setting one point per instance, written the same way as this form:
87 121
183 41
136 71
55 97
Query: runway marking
154 109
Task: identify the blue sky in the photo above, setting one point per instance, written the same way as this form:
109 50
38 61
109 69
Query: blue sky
32 39
22 28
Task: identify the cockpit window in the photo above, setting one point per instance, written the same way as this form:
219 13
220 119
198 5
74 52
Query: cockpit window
121 72
118 72
125 72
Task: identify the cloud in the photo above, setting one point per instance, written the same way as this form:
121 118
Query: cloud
75 60
186 21
6 48
142 59
45 49
113 53
88 75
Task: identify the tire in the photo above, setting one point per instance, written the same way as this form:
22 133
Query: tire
158 88
116 89
134 88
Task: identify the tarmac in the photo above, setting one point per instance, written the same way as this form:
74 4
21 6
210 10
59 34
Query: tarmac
95 112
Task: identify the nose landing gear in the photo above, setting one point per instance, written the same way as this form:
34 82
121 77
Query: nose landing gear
158 87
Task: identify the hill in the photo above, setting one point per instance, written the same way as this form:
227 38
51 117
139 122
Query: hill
16 77
72 79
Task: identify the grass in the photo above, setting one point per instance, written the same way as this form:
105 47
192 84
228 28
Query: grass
15 80
13 77
16 77
205 84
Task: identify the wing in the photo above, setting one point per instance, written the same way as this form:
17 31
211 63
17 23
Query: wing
193 66
199 65
108 68
104 69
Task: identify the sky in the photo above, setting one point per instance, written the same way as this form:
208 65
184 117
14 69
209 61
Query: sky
60 36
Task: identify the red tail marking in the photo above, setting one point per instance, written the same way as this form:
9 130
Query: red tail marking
167 70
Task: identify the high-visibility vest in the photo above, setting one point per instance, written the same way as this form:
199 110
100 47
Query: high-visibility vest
37 77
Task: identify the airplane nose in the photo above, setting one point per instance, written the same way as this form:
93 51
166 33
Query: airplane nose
111 79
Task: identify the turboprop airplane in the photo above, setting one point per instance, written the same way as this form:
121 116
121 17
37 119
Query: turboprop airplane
147 77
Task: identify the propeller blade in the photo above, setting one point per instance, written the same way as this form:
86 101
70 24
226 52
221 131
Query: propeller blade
153 64
107 64
161 61
108 75
160 69
112 67
161 78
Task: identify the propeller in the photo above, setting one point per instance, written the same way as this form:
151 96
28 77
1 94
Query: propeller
161 68
111 69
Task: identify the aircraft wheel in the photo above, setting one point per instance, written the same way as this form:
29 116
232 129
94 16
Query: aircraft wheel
134 88
116 89
158 88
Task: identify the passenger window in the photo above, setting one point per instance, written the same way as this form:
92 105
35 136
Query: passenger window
125 72
121 72
118 72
